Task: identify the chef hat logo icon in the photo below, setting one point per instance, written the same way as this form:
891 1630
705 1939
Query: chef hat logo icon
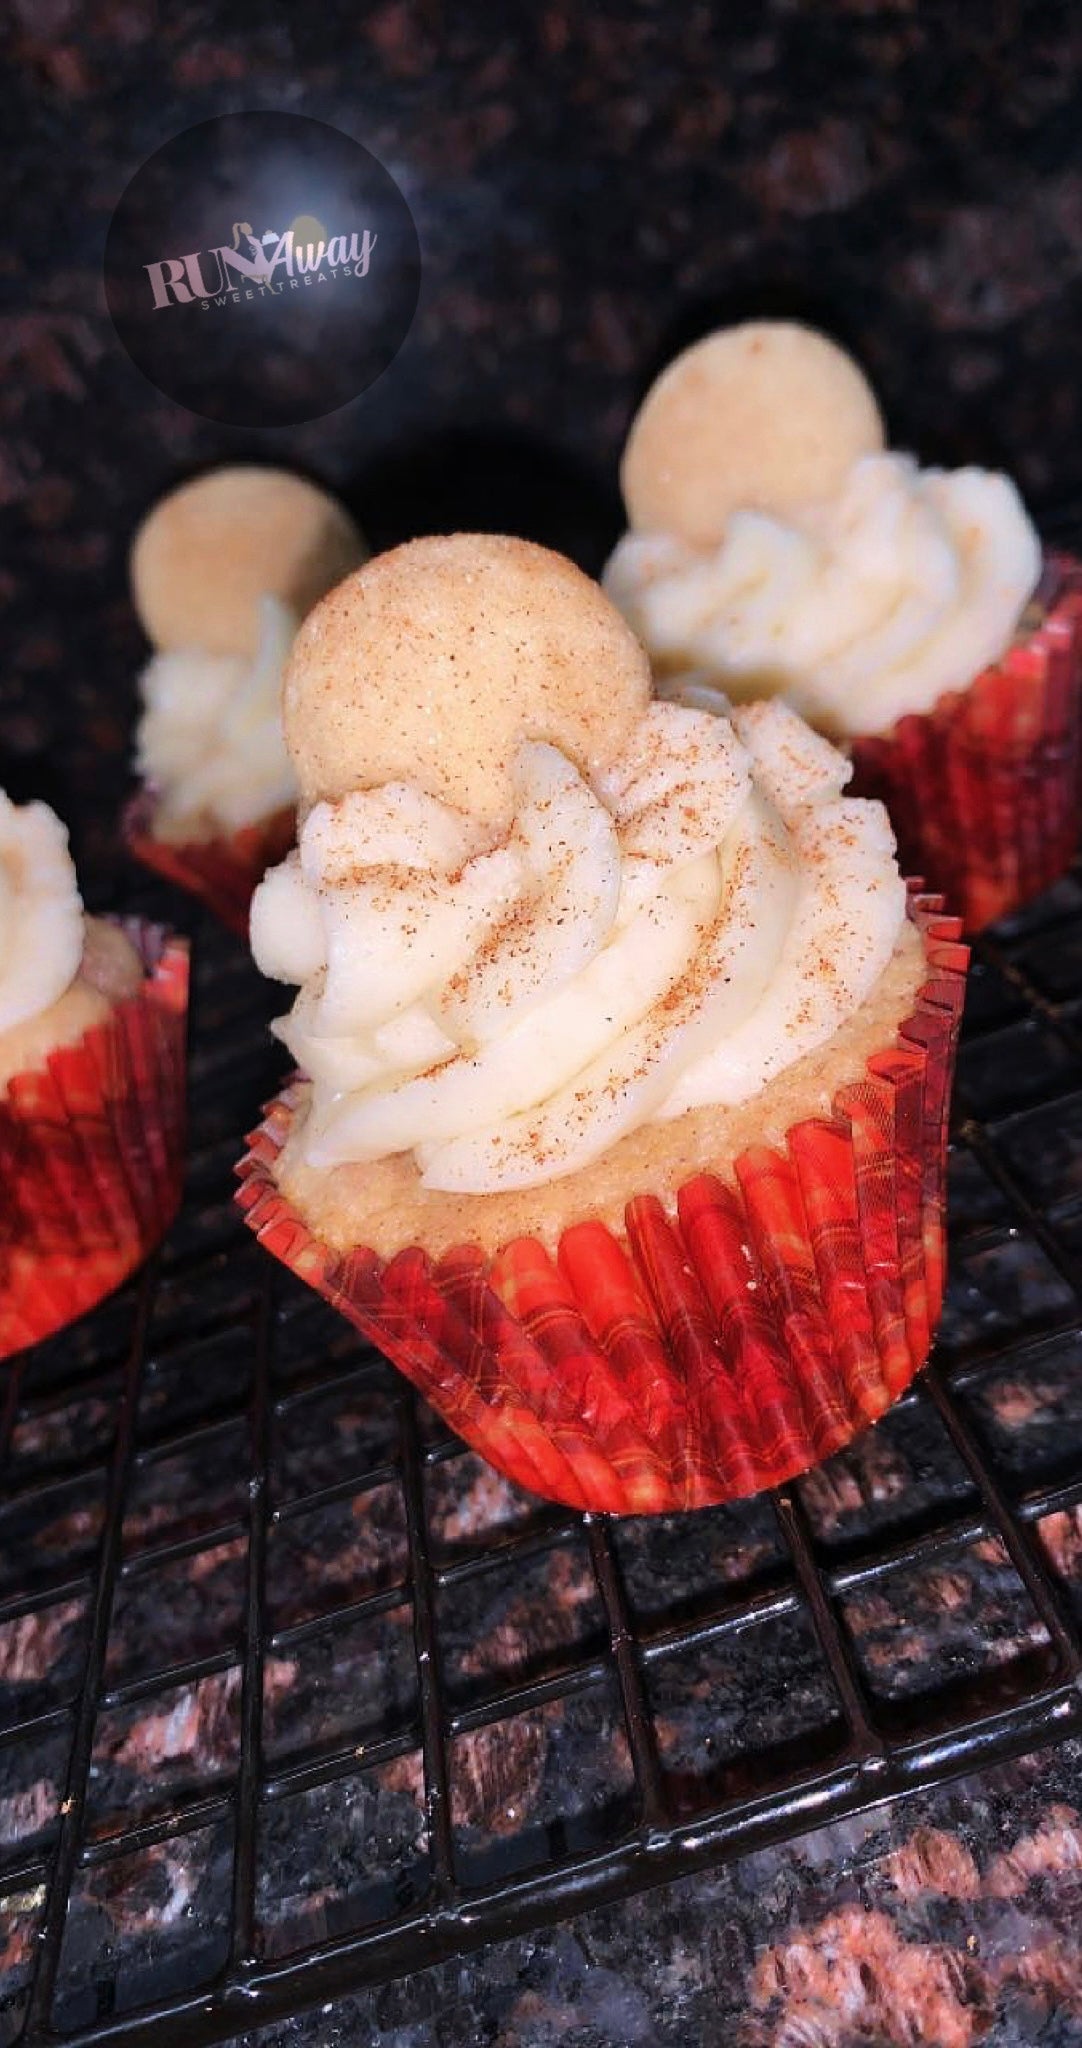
257 244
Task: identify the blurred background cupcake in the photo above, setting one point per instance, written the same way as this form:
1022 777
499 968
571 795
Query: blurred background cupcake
777 547
223 569
625 1059
93 1019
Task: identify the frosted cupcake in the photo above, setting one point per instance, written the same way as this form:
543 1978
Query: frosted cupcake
777 547
222 572
92 1042
623 1054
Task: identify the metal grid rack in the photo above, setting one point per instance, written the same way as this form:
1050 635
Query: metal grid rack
295 1695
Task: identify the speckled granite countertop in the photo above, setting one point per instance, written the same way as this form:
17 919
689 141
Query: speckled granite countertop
950 1921
591 187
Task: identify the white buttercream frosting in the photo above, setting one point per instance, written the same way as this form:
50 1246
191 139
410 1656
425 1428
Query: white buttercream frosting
672 934
41 912
210 737
859 610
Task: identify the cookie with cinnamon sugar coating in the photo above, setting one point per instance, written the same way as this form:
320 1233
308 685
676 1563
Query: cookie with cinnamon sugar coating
432 663
768 415
208 551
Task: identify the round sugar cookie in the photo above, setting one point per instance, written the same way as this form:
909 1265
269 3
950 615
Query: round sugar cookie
769 416
432 663
206 553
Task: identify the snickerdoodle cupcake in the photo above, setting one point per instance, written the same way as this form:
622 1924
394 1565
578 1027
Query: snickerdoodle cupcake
92 1066
623 1050
776 546
223 569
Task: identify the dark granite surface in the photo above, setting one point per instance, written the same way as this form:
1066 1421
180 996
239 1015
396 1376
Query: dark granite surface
592 186
950 1921
951 1917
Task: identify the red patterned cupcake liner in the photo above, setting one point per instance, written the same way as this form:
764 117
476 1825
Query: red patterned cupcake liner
221 872
984 790
92 1152
705 1356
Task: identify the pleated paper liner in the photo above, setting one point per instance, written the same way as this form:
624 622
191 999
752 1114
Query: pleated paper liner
92 1152
706 1356
984 790
221 872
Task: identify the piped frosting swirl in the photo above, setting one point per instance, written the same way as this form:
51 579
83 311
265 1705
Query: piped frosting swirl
775 548
41 912
665 921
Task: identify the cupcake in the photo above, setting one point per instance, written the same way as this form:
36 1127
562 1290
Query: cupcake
623 1050
92 1055
775 546
222 572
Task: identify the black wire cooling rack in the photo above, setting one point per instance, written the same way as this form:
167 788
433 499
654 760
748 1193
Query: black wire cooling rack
296 1695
